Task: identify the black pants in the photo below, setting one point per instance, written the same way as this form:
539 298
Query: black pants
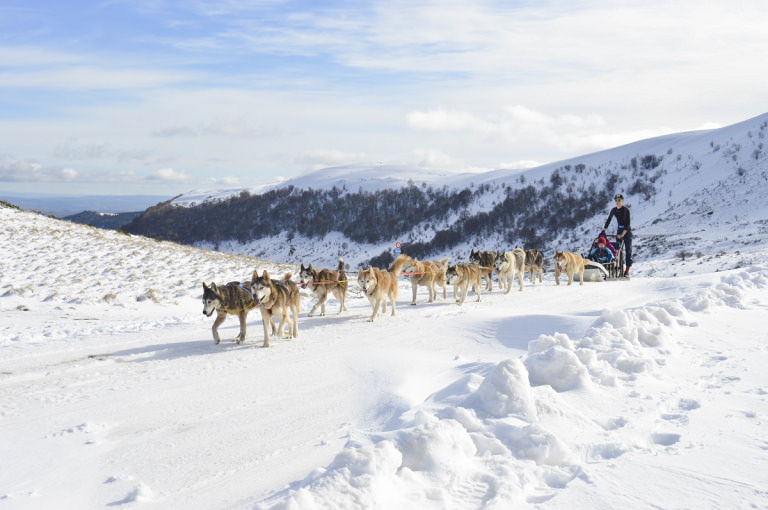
627 247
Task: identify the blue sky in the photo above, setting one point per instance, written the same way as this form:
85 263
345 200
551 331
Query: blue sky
162 97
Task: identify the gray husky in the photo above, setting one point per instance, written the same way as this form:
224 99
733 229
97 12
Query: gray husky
534 262
233 298
485 259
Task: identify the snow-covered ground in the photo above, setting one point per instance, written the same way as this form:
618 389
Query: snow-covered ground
649 393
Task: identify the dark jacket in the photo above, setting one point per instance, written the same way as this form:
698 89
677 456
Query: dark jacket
622 216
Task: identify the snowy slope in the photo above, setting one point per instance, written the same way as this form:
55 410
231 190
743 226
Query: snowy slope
646 393
707 183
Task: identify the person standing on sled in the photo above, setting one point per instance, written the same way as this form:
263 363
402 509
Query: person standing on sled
624 231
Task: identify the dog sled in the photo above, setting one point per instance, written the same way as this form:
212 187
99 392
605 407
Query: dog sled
595 271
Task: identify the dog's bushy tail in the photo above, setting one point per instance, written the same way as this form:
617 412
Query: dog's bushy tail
397 265
342 279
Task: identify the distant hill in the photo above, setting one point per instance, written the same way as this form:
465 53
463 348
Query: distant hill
103 220
676 186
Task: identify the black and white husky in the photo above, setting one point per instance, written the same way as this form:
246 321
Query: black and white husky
233 298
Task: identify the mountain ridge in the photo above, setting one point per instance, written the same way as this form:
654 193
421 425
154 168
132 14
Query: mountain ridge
668 181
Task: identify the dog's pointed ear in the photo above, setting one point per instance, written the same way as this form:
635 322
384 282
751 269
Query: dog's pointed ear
265 275
255 275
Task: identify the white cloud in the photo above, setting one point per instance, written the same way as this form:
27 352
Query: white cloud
168 175
444 120
226 181
435 159
29 170
238 129
520 165
508 122
69 174
317 159
511 124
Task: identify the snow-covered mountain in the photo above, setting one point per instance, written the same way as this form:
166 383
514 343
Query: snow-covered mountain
647 393
683 190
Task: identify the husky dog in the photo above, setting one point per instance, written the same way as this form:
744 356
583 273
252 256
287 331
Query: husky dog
277 298
569 263
233 298
323 283
461 276
427 274
484 259
534 262
380 284
509 264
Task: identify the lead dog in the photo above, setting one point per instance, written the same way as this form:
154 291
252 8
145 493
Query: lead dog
323 283
509 264
569 263
380 284
484 259
534 262
427 274
277 298
461 276
233 298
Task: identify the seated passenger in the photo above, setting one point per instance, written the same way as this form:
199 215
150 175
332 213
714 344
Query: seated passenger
601 253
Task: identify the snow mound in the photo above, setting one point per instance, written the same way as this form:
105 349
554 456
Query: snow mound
492 442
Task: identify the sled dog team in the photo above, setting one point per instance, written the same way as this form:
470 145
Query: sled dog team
281 298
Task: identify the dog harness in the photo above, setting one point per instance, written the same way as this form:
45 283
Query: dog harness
316 284
249 306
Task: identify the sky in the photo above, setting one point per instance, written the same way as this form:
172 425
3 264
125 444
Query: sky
161 97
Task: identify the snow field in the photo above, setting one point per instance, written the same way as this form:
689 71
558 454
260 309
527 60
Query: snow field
623 394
